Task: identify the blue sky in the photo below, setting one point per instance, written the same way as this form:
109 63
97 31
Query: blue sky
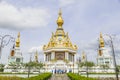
36 19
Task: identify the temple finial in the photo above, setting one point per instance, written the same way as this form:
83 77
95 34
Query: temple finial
36 56
60 12
18 40
60 20
101 40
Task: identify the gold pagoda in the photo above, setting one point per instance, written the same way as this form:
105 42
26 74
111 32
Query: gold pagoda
60 39
59 49
101 44
104 57
16 54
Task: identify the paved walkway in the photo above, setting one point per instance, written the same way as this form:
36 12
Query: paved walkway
59 77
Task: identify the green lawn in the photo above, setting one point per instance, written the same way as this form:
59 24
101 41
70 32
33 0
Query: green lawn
43 76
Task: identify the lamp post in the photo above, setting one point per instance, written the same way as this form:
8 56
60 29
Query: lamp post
4 42
73 67
87 66
73 64
114 59
29 66
79 60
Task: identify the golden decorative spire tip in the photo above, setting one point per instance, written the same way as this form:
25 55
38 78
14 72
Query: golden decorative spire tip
101 40
60 20
60 12
18 40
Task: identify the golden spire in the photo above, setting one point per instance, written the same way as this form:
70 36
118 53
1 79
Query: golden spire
60 20
36 57
101 40
83 55
18 40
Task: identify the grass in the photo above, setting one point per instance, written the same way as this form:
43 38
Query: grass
43 76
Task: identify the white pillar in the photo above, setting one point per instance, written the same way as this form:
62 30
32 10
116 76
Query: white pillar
66 55
52 55
44 57
47 57
74 57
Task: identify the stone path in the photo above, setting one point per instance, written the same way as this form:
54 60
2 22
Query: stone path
59 77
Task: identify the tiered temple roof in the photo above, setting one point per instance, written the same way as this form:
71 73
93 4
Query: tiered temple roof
60 39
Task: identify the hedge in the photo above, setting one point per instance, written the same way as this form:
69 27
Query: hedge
73 76
44 76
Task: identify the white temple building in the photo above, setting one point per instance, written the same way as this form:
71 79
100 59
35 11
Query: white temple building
104 57
16 54
60 53
15 58
83 57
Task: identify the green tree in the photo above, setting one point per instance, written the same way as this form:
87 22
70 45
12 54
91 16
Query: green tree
105 67
2 67
88 64
35 65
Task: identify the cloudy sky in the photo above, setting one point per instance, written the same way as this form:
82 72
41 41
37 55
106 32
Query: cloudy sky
83 19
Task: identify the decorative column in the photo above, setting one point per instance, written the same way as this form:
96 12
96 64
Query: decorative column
71 58
74 57
53 55
44 57
66 55
47 57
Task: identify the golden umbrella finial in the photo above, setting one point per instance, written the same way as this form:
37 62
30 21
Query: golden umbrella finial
18 34
18 40
60 20
101 40
60 12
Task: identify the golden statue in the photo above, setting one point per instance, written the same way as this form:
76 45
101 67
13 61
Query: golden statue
83 55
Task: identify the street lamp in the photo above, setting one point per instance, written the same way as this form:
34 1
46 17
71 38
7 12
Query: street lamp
114 60
29 65
4 42
73 64
79 60
87 65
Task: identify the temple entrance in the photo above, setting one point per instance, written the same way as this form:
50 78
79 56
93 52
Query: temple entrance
59 55
60 67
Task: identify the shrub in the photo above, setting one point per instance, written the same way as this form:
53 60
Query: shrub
73 76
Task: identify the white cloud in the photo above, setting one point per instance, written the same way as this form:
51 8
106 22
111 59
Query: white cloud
91 48
66 2
22 18
39 49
